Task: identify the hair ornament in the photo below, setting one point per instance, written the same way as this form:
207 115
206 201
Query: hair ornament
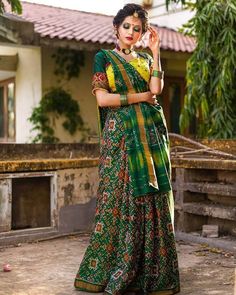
135 14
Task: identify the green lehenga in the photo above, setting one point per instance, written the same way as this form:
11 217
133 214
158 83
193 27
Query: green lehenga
132 246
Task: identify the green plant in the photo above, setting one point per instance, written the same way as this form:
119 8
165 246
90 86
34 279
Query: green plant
168 2
211 74
55 102
68 62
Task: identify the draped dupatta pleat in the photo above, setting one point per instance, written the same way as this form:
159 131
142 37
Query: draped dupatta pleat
149 163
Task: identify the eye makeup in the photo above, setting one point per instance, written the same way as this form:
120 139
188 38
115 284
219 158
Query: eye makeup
136 29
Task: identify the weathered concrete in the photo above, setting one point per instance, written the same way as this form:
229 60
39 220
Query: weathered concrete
49 268
71 201
204 188
211 210
205 193
228 245
228 146
204 163
12 151
46 164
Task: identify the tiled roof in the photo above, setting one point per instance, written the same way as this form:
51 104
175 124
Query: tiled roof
54 22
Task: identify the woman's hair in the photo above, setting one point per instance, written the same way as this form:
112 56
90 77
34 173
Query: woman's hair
128 10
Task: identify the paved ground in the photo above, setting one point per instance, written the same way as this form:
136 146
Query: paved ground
49 267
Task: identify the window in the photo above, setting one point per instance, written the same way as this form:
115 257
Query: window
7 110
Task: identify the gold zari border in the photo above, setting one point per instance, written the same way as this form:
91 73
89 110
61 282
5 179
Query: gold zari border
85 286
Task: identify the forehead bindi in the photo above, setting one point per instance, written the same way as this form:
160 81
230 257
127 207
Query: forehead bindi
134 21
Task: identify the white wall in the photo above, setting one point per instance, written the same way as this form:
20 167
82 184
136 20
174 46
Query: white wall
28 86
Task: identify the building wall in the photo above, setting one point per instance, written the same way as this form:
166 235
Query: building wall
71 198
173 63
28 86
204 190
76 197
80 89
174 18
35 75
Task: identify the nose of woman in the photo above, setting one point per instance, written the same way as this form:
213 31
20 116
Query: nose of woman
131 31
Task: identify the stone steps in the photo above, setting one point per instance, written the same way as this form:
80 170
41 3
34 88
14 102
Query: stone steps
212 210
210 188
26 235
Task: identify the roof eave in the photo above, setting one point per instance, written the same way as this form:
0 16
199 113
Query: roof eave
93 46
16 31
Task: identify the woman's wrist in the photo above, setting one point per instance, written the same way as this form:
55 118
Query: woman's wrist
156 53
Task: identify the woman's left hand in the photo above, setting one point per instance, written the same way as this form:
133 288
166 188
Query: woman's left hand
154 41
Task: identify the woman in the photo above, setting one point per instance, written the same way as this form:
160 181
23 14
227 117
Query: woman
132 247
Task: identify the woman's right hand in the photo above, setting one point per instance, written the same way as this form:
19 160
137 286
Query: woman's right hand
149 98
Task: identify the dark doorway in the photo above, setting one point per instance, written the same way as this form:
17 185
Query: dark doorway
172 101
31 202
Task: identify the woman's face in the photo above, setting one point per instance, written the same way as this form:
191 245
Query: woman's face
130 31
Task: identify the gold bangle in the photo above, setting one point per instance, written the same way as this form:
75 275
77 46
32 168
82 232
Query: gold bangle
123 100
158 74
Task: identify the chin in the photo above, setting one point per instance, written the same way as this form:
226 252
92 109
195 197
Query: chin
129 43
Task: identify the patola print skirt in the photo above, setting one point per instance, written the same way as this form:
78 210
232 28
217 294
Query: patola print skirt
132 247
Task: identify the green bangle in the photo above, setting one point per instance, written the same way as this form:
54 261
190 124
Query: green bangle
123 100
158 74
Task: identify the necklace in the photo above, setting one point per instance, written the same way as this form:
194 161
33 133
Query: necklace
126 51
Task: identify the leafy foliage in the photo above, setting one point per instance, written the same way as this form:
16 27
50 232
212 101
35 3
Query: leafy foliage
168 2
58 102
68 62
211 70
15 6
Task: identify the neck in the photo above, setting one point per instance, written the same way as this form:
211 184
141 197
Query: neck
125 49
124 46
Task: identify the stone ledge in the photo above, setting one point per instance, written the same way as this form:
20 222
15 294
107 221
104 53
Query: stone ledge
229 245
46 164
61 163
27 235
213 210
208 188
24 151
215 164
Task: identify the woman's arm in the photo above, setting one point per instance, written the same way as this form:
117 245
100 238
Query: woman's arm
105 99
156 84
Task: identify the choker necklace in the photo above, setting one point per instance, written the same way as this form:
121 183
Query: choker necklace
126 51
